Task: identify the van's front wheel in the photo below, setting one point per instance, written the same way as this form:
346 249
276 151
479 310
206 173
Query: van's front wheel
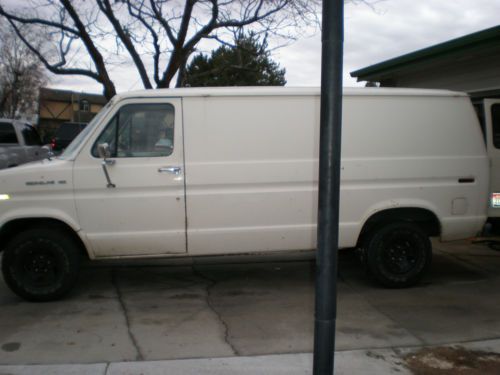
398 254
41 264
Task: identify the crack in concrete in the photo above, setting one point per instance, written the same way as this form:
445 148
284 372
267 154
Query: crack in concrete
139 355
211 283
106 368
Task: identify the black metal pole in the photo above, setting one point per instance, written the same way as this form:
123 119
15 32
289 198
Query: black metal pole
329 186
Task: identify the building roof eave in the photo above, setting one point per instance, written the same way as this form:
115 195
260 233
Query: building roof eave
467 41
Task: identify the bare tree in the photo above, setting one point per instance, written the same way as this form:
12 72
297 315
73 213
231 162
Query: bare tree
21 75
157 36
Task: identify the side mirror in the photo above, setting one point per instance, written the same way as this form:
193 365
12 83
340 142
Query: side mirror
47 150
103 151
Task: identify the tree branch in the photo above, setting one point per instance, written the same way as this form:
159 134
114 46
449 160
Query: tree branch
37 21
103 76
54 68
163 22
255 18
156 44
181 53
105 7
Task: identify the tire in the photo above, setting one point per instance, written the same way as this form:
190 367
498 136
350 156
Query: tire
397 254
41 264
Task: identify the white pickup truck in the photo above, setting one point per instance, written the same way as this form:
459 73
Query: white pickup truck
19 144
194 172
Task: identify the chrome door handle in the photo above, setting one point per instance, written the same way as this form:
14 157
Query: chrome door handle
173 170
108 162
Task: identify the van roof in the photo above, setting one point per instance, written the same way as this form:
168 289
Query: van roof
281 91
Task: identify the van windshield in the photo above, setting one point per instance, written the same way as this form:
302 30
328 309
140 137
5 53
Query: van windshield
70 151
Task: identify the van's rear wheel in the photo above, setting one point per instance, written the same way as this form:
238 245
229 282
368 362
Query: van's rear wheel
41 264
398 254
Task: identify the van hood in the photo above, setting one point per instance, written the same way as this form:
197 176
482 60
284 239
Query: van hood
42 176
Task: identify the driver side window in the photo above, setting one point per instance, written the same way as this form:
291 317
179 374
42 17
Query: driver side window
139 130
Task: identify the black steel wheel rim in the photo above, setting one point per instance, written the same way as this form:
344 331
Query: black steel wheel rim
39 266
400 253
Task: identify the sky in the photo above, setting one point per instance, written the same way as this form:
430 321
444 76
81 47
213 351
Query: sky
387 29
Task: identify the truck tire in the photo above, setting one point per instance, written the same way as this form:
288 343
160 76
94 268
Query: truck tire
397 254
41 264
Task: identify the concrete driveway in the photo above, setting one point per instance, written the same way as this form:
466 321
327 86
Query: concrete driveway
245 307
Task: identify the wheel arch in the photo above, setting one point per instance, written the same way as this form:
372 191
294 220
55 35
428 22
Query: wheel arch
15 226
424 218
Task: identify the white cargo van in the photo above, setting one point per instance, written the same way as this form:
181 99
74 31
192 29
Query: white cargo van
193 172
